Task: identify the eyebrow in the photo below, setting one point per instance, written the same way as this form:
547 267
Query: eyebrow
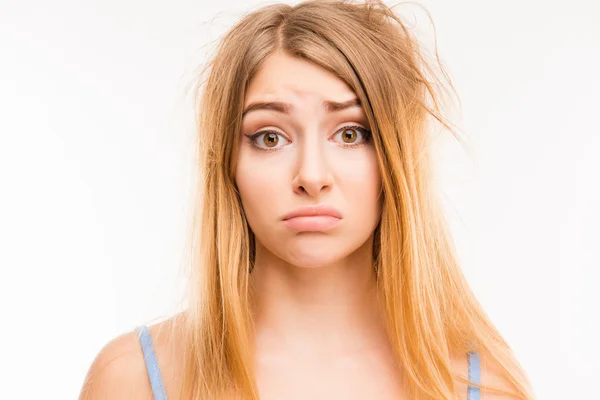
286 108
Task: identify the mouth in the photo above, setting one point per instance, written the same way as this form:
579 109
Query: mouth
316 223
317 218
314 211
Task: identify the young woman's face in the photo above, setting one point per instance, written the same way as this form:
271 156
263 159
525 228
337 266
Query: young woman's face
312 155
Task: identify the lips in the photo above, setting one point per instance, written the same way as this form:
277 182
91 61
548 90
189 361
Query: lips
318 218
313 211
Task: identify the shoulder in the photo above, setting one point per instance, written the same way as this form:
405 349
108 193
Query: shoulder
491 375
119 370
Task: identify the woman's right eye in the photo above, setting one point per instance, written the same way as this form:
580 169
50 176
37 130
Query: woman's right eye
267 140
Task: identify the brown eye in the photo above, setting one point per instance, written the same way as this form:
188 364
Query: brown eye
271 139
349 135
353 136
267 140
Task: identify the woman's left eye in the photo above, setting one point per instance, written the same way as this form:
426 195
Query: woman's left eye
353 135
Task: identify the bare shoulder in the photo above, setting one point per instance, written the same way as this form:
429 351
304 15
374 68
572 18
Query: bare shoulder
491 375
119 370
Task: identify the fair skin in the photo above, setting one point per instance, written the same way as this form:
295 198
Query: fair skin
319 331
315 290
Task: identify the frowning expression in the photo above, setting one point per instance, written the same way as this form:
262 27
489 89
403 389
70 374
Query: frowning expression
306 152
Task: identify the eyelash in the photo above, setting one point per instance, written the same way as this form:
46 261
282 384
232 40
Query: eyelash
365 132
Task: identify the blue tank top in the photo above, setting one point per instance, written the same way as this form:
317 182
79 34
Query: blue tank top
158 389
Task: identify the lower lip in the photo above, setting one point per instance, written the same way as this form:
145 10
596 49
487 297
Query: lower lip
317 223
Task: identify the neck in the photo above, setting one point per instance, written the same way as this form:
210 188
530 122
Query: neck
332 308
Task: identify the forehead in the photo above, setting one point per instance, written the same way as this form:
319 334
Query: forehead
290 79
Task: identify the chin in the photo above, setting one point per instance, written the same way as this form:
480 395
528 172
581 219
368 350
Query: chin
315 255
311 262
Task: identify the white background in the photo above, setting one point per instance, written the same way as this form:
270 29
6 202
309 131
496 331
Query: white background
96 147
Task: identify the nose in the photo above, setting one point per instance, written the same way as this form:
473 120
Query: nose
313 174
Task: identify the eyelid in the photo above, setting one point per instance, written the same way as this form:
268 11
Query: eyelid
252 139
364 131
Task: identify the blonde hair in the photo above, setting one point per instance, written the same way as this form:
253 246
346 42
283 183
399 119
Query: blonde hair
430 310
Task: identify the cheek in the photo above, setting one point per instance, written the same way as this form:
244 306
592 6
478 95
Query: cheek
362 181
362 191
363 199
258 186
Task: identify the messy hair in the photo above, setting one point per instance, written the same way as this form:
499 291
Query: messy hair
430 311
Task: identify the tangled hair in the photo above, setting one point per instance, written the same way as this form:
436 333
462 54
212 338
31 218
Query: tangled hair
431 313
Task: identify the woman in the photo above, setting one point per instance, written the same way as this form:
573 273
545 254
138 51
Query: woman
323 267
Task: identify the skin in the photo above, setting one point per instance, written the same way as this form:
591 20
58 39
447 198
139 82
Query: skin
319 331
315 292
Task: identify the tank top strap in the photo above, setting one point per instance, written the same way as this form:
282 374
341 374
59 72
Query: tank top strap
158 389
474 375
